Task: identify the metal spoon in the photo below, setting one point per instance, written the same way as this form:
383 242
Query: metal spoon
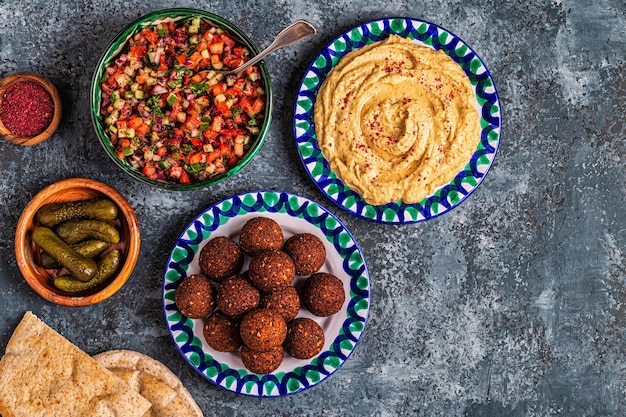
293 33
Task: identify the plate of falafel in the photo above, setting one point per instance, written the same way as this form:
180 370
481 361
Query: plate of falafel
266 293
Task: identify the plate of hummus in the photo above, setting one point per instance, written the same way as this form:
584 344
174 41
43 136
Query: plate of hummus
397 120
342 330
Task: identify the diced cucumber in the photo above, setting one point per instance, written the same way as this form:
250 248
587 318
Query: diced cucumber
110 120
119 104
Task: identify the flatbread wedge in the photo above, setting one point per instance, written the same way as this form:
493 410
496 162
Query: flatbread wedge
43 374
153 380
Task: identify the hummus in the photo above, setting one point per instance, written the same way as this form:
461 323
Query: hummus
396 120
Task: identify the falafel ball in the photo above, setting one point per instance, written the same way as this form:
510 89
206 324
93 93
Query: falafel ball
307 251
263 329
284 300
220 258
305 338
259 234
236 296
195 296
323 294
271 270
222 332
262 362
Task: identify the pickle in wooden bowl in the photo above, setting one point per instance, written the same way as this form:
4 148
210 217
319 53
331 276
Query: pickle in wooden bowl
77 242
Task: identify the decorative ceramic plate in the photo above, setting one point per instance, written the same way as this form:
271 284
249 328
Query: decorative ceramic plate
446 197
295 214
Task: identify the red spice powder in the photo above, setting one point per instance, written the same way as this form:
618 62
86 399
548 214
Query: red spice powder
27 109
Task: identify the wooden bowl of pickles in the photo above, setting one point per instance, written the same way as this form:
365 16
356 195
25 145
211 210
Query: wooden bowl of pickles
77 242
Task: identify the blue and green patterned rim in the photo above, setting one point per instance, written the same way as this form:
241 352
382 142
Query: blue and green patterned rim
291 212
116 46
445 198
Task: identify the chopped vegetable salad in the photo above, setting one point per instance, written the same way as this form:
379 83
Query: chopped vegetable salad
170 114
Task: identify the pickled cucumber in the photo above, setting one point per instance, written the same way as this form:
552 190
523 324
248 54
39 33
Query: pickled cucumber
87 248
107 266
74 231
80 267
96 208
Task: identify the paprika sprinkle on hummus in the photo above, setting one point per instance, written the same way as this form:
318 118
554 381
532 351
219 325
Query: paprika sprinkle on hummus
26 109
396 120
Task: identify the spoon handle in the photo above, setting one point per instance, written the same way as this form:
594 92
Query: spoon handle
293 33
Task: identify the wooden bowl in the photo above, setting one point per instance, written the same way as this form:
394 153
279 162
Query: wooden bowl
27 253
58 108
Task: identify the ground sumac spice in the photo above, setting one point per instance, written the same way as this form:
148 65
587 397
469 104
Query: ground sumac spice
27 108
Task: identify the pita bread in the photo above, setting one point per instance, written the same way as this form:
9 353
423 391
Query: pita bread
43 374
152 380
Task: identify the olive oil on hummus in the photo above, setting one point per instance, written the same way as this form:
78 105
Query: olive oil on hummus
396 120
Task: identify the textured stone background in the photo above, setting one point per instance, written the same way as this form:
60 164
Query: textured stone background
513 304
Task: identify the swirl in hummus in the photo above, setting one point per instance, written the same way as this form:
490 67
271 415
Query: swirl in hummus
396 120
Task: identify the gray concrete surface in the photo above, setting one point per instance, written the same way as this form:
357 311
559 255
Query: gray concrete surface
513 304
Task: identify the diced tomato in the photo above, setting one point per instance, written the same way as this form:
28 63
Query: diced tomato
123 143
197 142
180 173
176 107
142 78
111 80
174 142
161 151
238 50
135 122
216 61
121 124
195 57
143 129
138 51
232 61
181 59
195 158
150 171
216 125
223 108
212 157
238 149
219 88
192 123
229 134
228 41
257 106
240 118
151 36
210 134
245 104
216 48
